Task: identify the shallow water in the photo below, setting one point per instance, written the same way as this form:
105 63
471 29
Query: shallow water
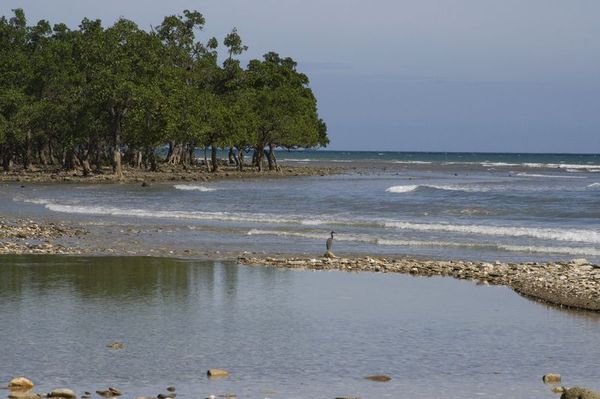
281 333
510 207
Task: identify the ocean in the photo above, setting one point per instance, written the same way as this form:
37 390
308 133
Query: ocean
472 206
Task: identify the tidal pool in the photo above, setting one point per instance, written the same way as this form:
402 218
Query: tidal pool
281 333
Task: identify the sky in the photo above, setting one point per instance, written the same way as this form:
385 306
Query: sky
413 75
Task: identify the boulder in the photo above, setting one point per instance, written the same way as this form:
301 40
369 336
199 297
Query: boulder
63 393
579 393
23 395
20 383
329 255
171 389
551 378
217 373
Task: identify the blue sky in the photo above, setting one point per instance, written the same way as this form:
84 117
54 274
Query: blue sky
419 75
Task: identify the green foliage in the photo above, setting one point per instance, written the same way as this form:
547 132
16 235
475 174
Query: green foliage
94 93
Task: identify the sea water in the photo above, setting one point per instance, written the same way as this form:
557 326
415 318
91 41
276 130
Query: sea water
508 207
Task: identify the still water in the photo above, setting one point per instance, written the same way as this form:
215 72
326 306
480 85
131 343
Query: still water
281 333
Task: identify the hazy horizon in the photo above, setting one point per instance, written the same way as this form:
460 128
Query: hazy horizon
460 76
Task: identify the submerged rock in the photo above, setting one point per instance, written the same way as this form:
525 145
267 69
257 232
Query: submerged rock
217 373
63 393
551 378
379 378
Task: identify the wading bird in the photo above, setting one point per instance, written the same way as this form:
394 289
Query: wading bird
329 243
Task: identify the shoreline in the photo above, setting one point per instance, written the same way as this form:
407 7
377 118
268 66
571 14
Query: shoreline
574 284
165 174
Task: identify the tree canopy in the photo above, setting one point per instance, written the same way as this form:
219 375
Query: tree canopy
97 96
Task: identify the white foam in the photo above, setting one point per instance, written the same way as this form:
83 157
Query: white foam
38 201
189 187
401 189
414 162
445 187
549 176
594 185
554 250
574 235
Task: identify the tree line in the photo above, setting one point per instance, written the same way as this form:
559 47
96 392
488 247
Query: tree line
91 97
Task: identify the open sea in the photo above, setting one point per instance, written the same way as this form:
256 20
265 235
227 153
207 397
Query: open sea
481 206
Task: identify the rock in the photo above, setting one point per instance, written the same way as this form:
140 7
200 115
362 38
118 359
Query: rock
580 262
166 395
579 393
23 395
171 389
329 255
116 345
217 373
379 378
63 393
20 383
115 391
551 378
145 184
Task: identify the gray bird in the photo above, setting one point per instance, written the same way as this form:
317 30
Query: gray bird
329 243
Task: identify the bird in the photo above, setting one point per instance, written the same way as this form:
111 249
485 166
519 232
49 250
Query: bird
329 243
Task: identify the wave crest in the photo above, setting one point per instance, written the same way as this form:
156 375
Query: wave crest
190 187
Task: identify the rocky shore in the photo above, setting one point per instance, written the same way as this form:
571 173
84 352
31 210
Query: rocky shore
166 173
23 236
574 284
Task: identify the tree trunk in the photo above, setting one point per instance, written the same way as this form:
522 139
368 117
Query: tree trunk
116 149
151 157
213 158
27 152
206 159
241 159
259 153
6 157
69 159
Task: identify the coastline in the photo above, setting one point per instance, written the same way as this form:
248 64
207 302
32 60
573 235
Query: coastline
165 174
574 284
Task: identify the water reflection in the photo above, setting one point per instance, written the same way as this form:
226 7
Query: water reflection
295 333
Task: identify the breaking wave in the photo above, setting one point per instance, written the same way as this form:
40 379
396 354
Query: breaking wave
189 187
447 187
573 235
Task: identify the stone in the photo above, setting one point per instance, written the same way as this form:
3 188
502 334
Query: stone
217 373
115 391
116 345
171 389
579 262
63 393
579 393
20 383
551 378
23 395
329 255
379 378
